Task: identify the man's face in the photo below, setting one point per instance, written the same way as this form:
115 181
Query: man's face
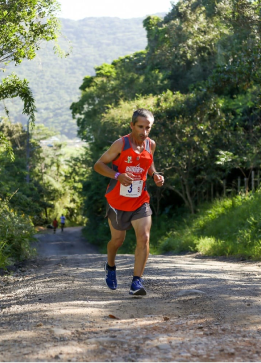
141 129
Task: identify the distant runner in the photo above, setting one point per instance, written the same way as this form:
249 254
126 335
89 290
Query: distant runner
127 197
55 225
62 218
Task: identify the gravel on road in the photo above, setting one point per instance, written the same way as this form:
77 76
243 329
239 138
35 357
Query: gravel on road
56 307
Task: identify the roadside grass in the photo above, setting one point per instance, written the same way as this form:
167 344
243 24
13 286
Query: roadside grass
226 227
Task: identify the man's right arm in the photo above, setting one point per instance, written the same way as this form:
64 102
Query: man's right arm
111 154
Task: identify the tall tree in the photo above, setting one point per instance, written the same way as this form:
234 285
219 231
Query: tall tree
24 24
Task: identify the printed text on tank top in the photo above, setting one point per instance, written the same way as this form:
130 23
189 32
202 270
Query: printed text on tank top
135 169
135 189
136 161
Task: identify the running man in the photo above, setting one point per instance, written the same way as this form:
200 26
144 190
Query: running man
55 225
62 218
127 197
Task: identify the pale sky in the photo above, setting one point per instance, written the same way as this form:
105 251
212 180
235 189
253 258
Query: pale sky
79 9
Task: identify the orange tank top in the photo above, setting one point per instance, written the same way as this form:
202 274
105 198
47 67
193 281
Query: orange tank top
132 197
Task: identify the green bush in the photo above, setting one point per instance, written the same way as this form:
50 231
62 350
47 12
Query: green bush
16 234
226 227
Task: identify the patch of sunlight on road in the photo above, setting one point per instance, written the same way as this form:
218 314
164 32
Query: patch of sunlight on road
21 334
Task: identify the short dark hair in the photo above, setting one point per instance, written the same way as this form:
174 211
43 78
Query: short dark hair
143 113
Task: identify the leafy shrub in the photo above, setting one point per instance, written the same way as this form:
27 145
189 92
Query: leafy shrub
226 227
16 233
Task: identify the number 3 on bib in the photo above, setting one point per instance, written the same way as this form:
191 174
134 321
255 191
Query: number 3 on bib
132 191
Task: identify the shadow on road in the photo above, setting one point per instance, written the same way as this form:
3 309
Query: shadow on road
68 242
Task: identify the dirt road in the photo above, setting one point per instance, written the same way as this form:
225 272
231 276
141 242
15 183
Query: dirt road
57 308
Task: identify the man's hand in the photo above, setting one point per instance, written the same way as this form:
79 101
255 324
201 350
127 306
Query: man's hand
158 179
126 179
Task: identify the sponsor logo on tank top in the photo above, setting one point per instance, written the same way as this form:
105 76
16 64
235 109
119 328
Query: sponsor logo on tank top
129 160
135 169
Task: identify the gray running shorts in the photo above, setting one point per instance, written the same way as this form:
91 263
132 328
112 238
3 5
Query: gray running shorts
121 220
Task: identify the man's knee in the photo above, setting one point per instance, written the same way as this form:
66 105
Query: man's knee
143 240
117 241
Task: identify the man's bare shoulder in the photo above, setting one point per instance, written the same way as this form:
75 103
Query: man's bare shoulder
112 153
153 144
117 145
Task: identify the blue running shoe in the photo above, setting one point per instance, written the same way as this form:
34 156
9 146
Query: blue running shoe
137 288
110 277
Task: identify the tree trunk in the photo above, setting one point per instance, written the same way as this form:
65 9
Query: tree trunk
191 204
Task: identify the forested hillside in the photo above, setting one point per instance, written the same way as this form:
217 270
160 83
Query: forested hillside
55 81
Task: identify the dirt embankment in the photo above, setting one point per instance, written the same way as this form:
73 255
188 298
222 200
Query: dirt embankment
57 308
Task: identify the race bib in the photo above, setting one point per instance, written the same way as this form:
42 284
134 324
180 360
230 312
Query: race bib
132 191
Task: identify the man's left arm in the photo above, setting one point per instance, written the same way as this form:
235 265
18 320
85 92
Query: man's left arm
158 179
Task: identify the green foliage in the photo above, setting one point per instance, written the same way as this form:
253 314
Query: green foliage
228 227
6 150
187 130
70 170
59 174
23 25
13 172
12 87
54 183
105 70
185 45
16 234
